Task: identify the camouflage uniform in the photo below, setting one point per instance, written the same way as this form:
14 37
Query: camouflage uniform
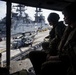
66 64
69 51
54 38
54 42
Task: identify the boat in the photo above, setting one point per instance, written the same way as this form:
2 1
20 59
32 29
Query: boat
21 23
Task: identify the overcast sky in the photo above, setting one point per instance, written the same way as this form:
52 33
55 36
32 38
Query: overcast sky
30 11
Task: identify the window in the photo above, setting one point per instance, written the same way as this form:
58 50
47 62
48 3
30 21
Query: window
29 27
3 31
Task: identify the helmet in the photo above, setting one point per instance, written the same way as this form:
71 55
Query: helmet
53 17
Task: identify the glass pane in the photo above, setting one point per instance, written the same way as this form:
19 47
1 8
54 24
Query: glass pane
2 32
28 24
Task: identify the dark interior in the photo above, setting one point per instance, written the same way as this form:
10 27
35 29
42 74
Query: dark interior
47 4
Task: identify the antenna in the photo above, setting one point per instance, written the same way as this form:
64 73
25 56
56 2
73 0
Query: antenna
20 8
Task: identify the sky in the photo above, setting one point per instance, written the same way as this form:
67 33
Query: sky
45 12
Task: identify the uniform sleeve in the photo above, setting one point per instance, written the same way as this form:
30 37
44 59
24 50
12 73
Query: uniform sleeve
59 30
